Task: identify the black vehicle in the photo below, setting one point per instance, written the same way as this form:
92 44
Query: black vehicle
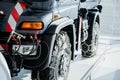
46 34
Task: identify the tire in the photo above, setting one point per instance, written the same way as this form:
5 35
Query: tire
60 59
89 46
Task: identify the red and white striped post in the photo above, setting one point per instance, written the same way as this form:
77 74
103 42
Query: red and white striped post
13 19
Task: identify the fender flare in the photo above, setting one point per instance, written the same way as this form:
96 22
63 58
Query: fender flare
93 16
50 35
59 24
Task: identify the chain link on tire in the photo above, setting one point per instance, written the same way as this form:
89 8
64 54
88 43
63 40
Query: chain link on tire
89 47
60 59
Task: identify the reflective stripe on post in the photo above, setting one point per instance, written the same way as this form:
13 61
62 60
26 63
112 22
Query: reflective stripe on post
14 16
13 19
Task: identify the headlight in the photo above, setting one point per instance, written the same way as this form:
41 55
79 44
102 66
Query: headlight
25 49
32 25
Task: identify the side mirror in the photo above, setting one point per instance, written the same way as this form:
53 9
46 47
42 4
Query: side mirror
82 0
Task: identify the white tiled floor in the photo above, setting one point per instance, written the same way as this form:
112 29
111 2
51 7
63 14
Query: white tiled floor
80 69
109 68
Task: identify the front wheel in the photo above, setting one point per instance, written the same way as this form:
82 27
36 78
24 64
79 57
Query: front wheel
89 46
60 59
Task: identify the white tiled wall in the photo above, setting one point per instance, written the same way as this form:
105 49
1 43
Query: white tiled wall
110 18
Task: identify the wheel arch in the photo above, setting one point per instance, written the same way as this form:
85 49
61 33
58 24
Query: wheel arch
87 46
65 24
92 17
